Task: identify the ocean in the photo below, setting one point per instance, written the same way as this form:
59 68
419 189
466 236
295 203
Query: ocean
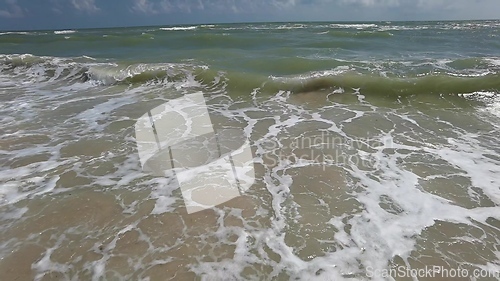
371 152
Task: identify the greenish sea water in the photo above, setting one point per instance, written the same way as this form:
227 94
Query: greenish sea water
375 147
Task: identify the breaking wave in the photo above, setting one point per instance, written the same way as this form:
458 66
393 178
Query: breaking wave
86 69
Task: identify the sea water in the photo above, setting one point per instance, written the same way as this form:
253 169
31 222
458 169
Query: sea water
375 149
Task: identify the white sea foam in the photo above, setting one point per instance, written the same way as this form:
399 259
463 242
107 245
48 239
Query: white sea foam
353 26
495 107
467 154
294 26
490 99
493 61
375 235
179 28
15 33
402 27
64 31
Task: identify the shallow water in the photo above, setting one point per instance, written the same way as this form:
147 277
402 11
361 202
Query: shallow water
375 146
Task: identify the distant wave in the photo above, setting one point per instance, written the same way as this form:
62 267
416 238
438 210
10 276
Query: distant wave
179 28
294 26
64 31
355 26
14 33
362 34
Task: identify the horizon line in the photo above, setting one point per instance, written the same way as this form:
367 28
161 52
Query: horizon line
248 22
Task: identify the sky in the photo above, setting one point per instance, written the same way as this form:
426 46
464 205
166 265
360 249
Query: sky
67 14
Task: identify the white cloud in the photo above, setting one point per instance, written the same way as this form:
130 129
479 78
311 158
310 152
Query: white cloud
13 10
440 4
144 6
155 7
419 4
302 6
188 6
85 5
372 3
284 3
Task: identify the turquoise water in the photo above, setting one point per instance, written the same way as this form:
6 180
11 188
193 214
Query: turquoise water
375 146
400 52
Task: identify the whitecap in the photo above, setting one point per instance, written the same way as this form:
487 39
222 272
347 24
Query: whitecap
64 31
178 28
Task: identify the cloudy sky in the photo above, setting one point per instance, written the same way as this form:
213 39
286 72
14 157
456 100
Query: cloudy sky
63 14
